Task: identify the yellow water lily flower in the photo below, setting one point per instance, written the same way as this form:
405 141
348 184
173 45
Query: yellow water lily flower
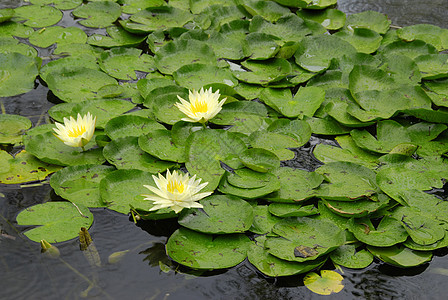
76 133
202 107
176 191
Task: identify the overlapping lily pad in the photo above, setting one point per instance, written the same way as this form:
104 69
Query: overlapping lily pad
17 73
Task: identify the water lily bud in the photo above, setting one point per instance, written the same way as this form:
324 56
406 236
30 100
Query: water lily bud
49 250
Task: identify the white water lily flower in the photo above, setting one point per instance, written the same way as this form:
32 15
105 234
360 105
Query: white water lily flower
202 107
76 133
176 191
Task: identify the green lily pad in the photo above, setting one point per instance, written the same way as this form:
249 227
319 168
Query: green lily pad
122 190
261 46
133 6
372 20
12 128
10 44
179 53
195 76
388 233
263 220
349 151
275 267
328 283
331 19
6 14
24 167
296 185
426 203
117 37
78 83
60 4
286 210
203 251
121 63
364 40
80 184
270 10
48 148
408 173
125 153
206 149
250 193
410 49
326 126
316 53
433 66
162 101
59 35
221 214
17 73
103 109
246 178
346 181
289 28
129 125
10 28
259 160
158 143
359 208
401 256
37 16
55 228
162 17
422 228
61 65
317 237
431 34
98 14
347 256
263 72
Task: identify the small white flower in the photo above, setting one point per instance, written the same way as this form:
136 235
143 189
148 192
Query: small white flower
176 191
76 133
202 107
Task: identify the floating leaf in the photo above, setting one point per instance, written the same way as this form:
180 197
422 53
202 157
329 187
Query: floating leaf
121 62
60 4
220 214
372 20
431 34
117 37
286 210
24 167
252 193
202 251
125 153
327 283
331 19
388 233
347 256
12 127
59 35
37 16
98 14
162 17
129 125
17 73
263 220
158 143
401 256
196 76
55 227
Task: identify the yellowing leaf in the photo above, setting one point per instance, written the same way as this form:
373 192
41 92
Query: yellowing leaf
329 282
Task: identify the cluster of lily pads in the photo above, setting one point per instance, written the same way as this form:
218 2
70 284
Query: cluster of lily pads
289 70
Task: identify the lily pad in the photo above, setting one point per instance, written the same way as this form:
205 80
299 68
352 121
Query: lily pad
259 160
55 228
158 143
24 167
286 210
250 193
117 37
196 76
431 34
59 35
317 238
121 62
221 214
388 233
263 220
129 125
331 19
17 73
98 14
245 178
347 256
202 251
12 128
161 17
179 53
80 184
60 4
401 256
372 20
37 16
263 72
122 190
125 153
275 267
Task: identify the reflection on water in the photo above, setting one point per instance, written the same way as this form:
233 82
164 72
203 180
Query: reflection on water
25 274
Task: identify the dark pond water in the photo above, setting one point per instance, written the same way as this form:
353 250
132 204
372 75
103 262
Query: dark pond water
26 274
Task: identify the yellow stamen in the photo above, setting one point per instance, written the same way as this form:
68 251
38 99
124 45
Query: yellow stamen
175 185
199 107
76 131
